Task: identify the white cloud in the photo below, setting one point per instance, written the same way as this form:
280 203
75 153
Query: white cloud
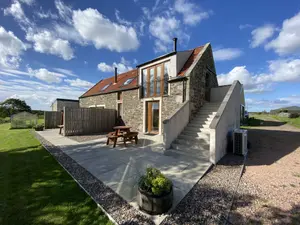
38 95
28 2
227 54
11 48
122 66
17 12
190 11
103 33
79 83
45 75
64 11
46 15
245 26
288 40
8 74
278 71
121 20
66 72
269 104
261 34
45 42
164 29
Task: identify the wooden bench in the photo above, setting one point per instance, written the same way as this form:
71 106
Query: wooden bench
60 128
131 135
126 137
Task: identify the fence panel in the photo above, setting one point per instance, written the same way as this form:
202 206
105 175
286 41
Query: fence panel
88 120
52 119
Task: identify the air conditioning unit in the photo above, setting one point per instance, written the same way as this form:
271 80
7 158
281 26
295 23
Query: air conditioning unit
240 142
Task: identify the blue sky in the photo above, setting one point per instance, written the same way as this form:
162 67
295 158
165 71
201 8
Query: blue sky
58 49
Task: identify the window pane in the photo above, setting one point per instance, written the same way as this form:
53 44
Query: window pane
166 77
158 78
144 82
151 81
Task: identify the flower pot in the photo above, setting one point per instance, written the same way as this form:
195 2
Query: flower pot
152 204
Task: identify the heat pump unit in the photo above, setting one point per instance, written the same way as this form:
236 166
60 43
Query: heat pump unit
240 142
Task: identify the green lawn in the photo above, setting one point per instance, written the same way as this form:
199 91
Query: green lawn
261 117
292 121
34 189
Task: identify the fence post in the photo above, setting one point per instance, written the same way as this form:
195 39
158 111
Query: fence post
64 120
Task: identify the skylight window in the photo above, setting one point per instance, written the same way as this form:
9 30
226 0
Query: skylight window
106 86
128 81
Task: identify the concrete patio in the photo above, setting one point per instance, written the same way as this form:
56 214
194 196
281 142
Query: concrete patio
120 167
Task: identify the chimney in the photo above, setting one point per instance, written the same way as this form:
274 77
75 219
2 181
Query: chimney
175 44
116 74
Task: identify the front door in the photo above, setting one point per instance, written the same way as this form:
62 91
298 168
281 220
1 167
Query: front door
152 117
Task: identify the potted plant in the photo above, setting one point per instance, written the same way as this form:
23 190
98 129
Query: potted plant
155 192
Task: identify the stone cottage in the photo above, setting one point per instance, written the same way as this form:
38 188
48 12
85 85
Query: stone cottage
177 96
149 94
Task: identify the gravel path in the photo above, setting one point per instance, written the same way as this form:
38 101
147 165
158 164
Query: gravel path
269 192
210 199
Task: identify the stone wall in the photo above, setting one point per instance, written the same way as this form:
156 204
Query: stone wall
172 102
197 80
133 110
109 100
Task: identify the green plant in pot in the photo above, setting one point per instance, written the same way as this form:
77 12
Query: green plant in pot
155 192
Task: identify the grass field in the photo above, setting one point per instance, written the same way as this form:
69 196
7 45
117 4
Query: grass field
34 189
292 121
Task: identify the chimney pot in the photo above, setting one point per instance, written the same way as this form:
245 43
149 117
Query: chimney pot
175 44
116 74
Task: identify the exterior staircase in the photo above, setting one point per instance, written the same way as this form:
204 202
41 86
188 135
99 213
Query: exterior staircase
194 141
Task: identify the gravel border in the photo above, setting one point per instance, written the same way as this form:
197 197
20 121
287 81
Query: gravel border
115 207
210 200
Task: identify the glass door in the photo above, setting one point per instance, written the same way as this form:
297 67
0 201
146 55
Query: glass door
152 117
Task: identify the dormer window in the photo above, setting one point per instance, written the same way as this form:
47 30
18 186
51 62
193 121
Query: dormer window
128 81
155 80
105 87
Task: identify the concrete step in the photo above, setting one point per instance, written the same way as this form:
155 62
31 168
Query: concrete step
192 135
201 122
191 142
204 117
190 148
197 125
196 130
190 152
203 113
203 156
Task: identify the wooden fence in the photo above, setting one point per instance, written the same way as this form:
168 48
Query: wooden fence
88 120
52 119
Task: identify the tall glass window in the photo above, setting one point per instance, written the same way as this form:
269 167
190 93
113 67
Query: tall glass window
166 77
144 80
158 80
151 82
155 80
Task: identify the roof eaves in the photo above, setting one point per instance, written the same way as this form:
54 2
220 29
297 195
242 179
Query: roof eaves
109 92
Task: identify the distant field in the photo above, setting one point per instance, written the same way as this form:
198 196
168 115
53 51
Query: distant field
292 121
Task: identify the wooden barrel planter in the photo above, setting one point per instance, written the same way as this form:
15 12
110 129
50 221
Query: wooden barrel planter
152 204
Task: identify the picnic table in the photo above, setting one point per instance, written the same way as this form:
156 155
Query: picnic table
122 132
